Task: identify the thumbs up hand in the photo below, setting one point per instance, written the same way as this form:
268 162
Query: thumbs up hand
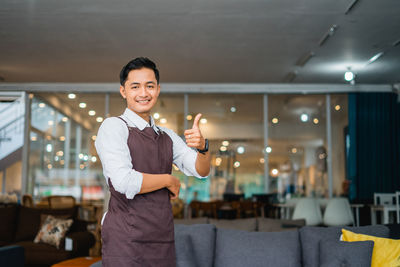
193 136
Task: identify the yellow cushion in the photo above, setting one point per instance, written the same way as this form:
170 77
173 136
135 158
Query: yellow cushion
386 251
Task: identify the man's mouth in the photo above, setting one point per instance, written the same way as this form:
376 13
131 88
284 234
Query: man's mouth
143 101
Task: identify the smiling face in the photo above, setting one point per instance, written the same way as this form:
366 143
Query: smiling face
141 91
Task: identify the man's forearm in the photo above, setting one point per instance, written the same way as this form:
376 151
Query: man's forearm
153 182
203 163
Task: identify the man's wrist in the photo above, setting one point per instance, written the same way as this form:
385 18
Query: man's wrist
205 149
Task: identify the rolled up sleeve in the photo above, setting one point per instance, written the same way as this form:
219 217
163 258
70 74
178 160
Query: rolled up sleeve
112 148
184 157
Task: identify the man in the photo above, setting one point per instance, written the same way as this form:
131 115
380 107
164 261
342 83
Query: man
137 158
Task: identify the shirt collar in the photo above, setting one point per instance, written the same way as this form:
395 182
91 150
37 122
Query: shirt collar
139 122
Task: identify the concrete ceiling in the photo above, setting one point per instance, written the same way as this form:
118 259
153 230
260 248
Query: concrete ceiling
207 41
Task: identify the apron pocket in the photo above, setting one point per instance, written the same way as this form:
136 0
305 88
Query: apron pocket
151 223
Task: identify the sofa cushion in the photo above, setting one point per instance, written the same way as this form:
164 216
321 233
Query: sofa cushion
249 224
200 220
28 224
274 225
53 231
339 253
311 236
241 248
8 219
42 254
194 245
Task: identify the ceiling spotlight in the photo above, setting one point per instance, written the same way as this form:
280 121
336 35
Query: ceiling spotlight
163 120
92 112
42 105
236 164
218 161
71 96
94 137
349 76
328 34
294 150
304 117
203 121
315 121
240 150
268 149
275 120
223 148
62 138
99 119
225 143
374 58
64 119
274 172
93 159
262 160
337 107
156 116
82 105
233 109
189 117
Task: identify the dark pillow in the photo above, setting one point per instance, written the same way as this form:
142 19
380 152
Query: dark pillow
8 219
28 224
349 254
249 224
274 225
311 236
194 245
240 248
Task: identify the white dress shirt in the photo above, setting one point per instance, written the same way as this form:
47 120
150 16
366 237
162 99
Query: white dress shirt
112 147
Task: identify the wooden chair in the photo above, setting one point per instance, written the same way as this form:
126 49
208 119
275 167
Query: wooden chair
61 202
27 201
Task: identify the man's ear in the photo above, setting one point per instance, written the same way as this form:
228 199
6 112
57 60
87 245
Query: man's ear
122 91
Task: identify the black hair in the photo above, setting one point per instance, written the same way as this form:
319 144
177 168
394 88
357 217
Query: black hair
136 64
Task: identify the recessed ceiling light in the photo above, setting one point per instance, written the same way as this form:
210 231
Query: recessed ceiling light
163 120
315 121
337 107
203 121
99 119
71 96
349 76
294 150
262 160
189 117
223 148
268 149
225 143
82 105
240 150
274 172
304 117
42 105
92 112
275 120
94 137
64 119
236 164
233 109
156 116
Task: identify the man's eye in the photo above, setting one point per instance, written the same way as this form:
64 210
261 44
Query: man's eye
150 86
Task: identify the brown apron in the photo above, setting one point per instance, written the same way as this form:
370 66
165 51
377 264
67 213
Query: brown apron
140 231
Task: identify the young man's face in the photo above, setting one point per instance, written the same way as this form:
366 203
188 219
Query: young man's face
141 91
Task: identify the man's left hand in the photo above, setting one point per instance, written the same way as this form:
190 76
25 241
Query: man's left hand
193 136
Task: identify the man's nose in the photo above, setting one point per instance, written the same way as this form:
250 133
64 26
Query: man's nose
143 91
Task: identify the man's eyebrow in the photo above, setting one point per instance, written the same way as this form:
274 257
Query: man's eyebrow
135 83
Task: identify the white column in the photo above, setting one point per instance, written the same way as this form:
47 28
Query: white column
266 169
329 140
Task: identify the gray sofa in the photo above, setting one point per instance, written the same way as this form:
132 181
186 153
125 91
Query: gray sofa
248 242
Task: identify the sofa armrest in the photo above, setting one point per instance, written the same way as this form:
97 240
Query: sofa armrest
12 256
81 242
